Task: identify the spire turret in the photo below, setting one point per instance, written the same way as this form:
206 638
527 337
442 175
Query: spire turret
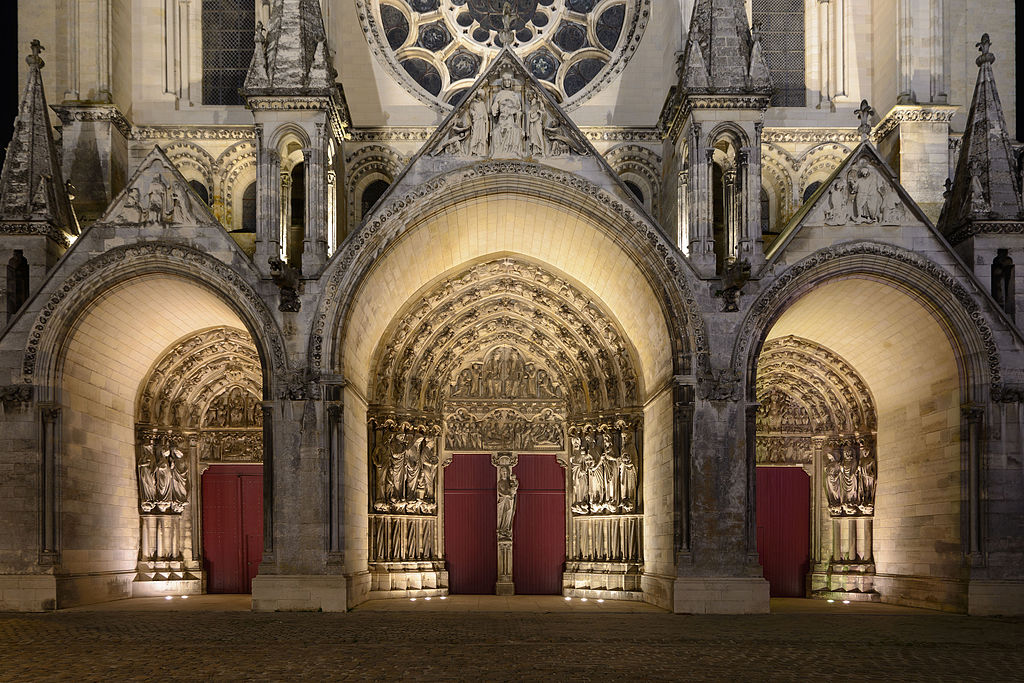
32 188
722 54
293 55
985 181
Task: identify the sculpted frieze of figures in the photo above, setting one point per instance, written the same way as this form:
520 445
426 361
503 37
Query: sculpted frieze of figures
851 475
784 450
562 344
158 196
863 196
403 466
163 472
605 466
507 119
504 374
504 428
229 445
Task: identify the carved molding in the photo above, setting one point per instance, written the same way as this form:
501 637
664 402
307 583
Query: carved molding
830 261
845 136
93 113
505 329
100 271
388 222
194 132
30 227
912 114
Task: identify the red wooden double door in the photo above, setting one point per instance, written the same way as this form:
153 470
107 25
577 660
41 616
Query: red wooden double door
538 529
783 529
232 526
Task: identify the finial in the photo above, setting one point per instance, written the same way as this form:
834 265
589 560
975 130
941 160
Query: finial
864 114
984 47
261 34
505 34
34 60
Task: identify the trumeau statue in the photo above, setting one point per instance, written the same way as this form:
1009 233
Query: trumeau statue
508 486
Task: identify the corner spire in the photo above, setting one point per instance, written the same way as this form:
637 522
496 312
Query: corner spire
293 55
32 187
722 54
984 184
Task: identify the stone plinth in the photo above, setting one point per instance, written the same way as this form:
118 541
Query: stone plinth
715 595
299 593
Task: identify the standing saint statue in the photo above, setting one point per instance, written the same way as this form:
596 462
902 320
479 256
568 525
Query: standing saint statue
535 126
508 485
479 126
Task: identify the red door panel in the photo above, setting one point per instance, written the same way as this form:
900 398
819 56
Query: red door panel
538 531
232 526
783 528
470 524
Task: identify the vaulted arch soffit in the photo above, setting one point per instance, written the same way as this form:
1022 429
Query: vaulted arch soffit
118 267
510 207
940 294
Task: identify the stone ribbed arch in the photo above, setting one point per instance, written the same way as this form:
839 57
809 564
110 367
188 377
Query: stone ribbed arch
828 390
939 292
454 326
497 207
119 265
186 382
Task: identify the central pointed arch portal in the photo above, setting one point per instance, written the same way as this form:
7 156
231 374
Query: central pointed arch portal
522 343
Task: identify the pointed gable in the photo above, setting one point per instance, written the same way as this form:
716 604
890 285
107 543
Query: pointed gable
722 56
508 114
32 185
985 181
158 194
293 55
861 196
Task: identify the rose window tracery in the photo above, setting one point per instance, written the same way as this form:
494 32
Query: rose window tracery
437 48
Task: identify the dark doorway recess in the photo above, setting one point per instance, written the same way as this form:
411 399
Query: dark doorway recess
470 524
232 526
538 532
783 528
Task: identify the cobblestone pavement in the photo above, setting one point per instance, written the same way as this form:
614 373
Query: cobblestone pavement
164 643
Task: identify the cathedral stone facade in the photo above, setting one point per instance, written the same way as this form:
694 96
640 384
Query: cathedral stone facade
694 303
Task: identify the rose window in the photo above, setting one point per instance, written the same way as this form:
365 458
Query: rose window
437 48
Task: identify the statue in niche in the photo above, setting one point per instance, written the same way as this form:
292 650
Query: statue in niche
580 470
380 459
479 126
535 126
147 478
426 484
157 200
181 211
630 463
507 112
395 486
833 478
179 478
608 471
1003 281
132 210
508 485
848 476
865 194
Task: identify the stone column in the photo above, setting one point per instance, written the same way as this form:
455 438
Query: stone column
682 432
824 56
285 226
751 242
49 546
335 494
268 213
972 415
314 245
268 478
905 75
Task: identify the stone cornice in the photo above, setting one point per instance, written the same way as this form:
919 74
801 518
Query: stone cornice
811 135
911 114
191 132
29 227
679 106
330 102
70 113
973 228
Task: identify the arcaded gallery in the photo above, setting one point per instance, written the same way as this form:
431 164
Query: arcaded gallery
695 303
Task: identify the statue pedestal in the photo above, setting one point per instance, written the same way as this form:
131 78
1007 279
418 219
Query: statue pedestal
504 585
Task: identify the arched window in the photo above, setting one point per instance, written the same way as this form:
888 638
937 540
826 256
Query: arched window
635 189
371 195
249 208
782 39
1002 282
200 189
766 213
17 282
228 28
297 227
811 189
